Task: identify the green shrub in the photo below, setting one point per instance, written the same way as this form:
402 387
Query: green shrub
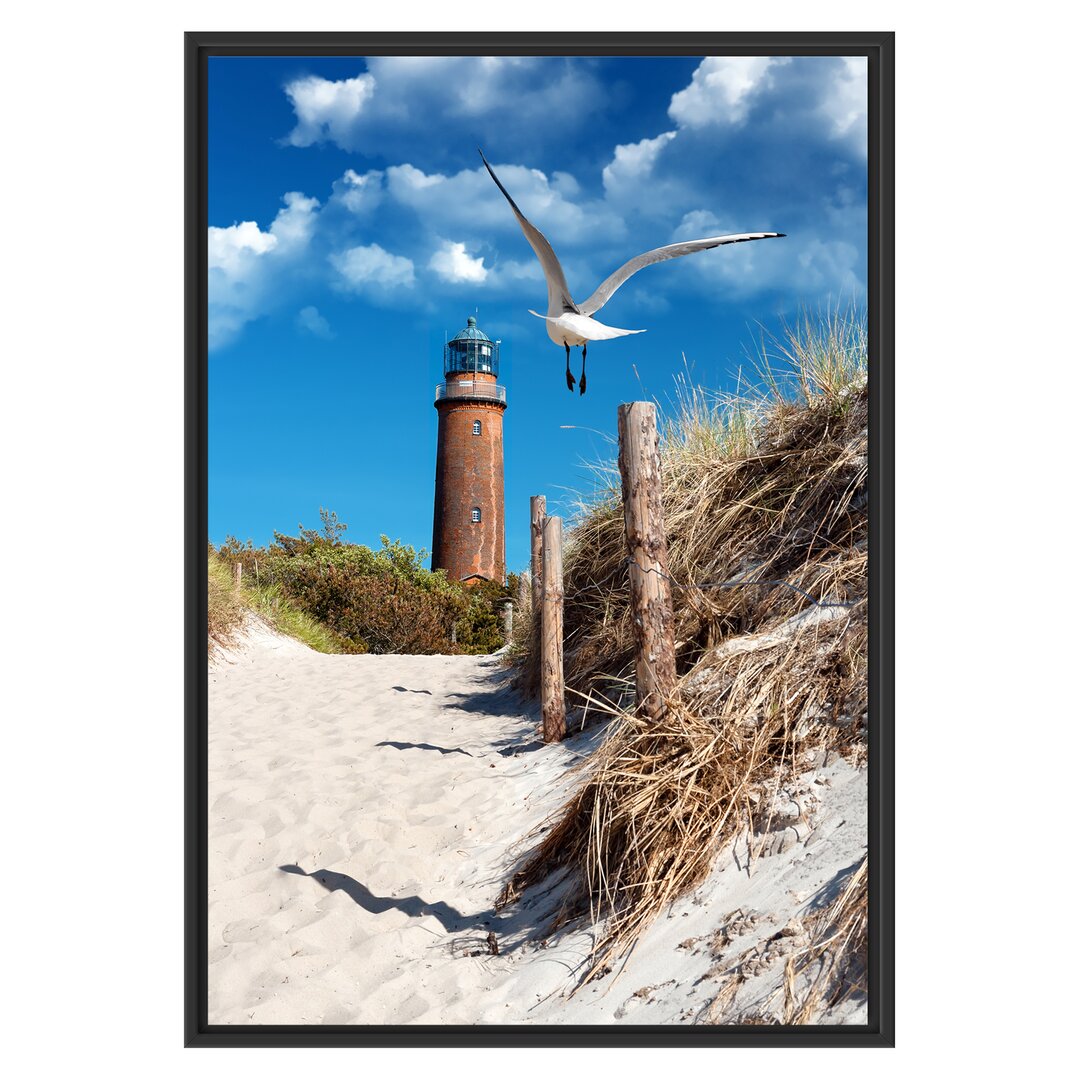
382 601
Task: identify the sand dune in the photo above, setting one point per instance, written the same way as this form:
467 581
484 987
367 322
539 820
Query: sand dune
363 811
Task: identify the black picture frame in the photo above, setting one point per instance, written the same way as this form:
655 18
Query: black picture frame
879 49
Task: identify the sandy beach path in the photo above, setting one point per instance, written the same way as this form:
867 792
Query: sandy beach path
360 812
364 812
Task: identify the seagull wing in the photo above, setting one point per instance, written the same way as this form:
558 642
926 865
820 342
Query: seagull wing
671 251
559 299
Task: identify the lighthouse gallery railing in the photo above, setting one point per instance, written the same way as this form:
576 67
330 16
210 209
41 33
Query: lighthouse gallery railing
485 391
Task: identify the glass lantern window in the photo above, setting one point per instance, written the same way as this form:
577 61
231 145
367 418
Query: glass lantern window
463 356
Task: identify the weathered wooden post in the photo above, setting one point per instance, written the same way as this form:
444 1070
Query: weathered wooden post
646 542
508 620
552 695
537 513
237 574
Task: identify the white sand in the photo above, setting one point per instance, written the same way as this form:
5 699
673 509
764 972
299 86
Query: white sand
390 788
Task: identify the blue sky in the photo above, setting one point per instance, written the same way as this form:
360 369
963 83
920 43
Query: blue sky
352 228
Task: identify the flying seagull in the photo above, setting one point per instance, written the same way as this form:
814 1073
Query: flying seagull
572 324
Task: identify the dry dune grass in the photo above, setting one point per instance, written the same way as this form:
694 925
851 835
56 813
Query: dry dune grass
762 488
225 608
826 963
834 963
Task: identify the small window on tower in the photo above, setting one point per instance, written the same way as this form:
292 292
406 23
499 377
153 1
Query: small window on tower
476 513
476 427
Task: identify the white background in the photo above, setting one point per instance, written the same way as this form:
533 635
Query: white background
92 438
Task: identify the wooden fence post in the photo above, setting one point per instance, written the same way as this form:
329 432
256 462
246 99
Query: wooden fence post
646 542
237 574
508 619
537 513
552 695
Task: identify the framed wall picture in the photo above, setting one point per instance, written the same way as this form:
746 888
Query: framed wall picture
539 472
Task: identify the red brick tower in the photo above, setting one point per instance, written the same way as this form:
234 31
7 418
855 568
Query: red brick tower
468 537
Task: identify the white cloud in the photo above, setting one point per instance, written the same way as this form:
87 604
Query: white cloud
293 226
828 265
565 185
698 224
254 270
722 90
358 192
230 248
466 85
519 270
326 110
517 100
243 263
373 266
310 320
799 264
469 201
634 162
407 178
844 103
236 248
802 98
452 263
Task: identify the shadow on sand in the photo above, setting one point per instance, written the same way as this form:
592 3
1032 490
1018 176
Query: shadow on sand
502 702
833 887
423 746
514 929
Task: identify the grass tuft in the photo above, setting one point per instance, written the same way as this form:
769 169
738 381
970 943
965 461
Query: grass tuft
270 602
228 607
225 609
833 966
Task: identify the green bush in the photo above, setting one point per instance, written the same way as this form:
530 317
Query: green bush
381 601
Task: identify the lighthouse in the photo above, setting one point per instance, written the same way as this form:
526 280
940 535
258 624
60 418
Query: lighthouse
468 536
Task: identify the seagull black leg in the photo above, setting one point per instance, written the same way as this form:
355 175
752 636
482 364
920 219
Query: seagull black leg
569 377
584 350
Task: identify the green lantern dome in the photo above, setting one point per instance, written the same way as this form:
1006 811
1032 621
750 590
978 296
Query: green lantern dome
472 332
